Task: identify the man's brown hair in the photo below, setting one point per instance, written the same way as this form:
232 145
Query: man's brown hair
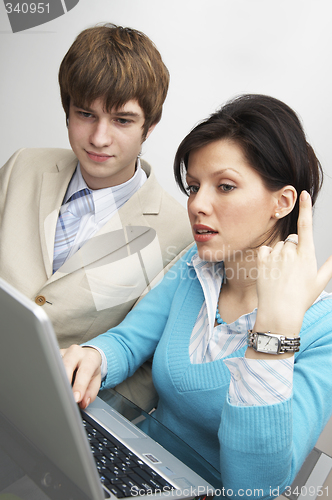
115 64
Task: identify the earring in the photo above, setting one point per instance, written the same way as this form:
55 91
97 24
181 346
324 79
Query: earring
277 215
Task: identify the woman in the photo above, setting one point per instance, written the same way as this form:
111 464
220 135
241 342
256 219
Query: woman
252 412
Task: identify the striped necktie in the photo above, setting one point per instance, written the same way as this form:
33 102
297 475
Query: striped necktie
80 203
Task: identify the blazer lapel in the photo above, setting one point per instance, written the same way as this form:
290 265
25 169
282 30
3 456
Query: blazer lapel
53 189
123 232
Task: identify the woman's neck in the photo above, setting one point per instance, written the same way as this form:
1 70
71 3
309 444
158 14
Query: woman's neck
238 294
241 274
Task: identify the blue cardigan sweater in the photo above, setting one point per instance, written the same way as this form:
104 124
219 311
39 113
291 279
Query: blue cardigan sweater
256 447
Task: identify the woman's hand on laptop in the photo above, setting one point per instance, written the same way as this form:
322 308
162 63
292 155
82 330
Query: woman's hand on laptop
83 365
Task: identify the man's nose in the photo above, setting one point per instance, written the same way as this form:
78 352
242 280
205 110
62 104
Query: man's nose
101 136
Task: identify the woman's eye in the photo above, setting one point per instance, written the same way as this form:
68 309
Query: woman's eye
226 188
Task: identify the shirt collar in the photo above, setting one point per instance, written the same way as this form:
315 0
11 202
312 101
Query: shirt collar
198 264
211 276
76 184
110 199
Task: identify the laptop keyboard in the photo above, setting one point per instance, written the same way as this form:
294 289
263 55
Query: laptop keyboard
121 471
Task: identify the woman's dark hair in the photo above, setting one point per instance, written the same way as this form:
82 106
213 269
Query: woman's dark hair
273 141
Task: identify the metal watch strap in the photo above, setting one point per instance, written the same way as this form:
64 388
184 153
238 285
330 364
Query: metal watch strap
287 344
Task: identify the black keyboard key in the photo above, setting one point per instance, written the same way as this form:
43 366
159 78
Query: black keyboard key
111 477
118 472
104 480
125 489
129 463
139 482
154 481
113 489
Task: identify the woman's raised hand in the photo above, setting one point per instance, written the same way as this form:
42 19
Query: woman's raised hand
288 280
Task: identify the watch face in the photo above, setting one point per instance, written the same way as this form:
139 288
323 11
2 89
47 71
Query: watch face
267 343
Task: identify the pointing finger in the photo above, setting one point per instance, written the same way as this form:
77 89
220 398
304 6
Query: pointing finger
304 224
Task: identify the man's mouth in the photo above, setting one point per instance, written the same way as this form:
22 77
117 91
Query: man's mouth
97 156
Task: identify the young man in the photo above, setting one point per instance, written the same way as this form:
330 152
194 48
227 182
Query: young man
85 233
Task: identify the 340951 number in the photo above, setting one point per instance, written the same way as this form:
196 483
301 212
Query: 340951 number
311 491
28 8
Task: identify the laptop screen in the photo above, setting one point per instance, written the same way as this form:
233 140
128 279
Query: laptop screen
38 412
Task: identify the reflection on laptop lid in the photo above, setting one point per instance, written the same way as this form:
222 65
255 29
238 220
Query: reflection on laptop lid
41 427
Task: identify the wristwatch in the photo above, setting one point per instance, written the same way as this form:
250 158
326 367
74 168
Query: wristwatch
272 343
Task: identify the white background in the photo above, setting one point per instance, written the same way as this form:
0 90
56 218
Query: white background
214 50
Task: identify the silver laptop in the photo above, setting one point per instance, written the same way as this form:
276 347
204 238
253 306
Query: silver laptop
42 429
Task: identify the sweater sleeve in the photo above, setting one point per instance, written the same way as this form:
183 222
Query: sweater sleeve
263 447
134 340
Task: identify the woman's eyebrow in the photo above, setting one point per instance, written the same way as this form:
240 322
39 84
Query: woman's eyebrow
219 172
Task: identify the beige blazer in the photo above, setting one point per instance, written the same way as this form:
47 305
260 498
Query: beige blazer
94 290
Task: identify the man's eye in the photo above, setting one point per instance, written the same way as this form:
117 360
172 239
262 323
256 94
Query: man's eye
192 189
122 121
85 114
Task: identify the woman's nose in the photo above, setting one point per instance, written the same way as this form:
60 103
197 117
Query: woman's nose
200 202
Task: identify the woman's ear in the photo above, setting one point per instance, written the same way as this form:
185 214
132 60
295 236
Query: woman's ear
285 200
